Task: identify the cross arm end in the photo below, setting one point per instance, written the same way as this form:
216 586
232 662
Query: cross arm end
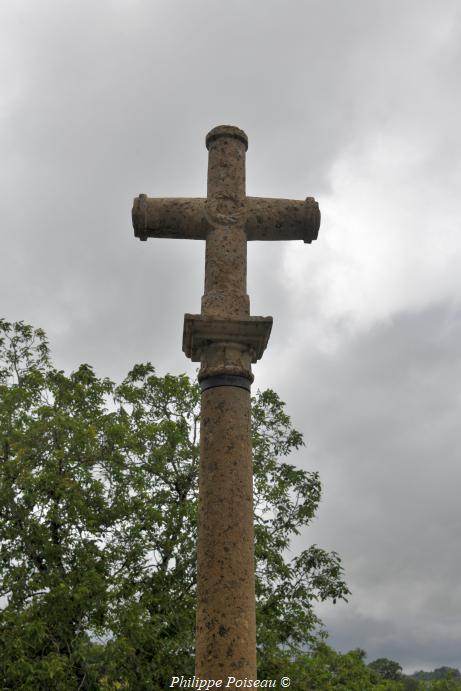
174 217
282 219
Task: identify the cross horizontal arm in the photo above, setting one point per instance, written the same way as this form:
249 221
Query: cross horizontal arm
263 218
171 217
282 219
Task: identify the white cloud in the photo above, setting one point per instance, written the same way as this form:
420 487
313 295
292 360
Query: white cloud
389 240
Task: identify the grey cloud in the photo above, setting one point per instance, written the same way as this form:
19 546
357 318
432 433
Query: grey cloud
104 101
381 418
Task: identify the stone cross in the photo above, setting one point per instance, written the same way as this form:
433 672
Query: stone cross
225 339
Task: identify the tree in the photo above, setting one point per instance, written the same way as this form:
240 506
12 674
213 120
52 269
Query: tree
324 669
439 673
449 683
411 684
98 491
386 669
440 679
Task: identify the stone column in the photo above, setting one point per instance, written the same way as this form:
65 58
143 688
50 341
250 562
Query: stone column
226 621
226 624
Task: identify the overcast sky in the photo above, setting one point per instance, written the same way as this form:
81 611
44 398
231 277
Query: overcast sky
356 103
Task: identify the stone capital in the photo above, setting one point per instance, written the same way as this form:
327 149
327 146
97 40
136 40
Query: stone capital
225 346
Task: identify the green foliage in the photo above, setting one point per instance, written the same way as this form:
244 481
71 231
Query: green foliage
439 673
98 492
441 679
446 678
324 669
385 674
386 669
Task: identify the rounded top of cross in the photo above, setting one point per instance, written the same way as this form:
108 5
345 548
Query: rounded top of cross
226 131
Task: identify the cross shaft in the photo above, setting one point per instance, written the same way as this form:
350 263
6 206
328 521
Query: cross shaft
226 340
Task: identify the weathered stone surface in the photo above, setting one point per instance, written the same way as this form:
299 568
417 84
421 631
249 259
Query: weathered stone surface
169 218
226 247
261 218
226 340
226 131
226 638
282 219
225 346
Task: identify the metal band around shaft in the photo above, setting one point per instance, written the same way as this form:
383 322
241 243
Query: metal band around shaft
225 380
